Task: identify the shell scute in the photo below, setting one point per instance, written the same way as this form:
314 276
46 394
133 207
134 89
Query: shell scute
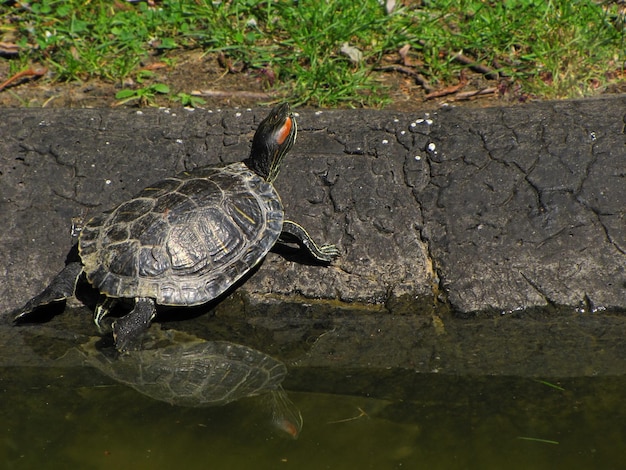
246 214
116 234
129 211
202 191
152 261
165 186
166 203
123 259
150 229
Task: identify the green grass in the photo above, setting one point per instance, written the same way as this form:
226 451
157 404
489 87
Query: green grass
551 49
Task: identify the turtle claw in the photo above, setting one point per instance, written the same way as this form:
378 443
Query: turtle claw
99 314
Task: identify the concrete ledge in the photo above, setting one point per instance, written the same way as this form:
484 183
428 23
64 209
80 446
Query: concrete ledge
500 209
485 211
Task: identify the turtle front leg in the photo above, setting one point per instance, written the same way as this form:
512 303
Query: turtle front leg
128 330
294 232
61 287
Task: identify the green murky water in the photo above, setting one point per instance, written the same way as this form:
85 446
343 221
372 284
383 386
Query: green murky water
77 418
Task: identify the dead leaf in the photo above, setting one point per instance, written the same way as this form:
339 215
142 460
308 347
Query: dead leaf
353 53
448 90
404 54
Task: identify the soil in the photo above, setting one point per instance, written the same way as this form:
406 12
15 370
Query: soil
227 85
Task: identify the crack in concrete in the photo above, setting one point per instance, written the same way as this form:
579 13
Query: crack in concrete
538 289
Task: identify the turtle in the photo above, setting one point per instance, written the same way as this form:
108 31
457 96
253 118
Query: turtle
183 370
185 240
201 373
173 366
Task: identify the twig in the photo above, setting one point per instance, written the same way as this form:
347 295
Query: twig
155 66
362 414
23 74
449 90
419 78
466 95
488 72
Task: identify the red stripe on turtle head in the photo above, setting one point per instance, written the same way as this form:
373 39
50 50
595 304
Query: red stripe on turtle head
283 132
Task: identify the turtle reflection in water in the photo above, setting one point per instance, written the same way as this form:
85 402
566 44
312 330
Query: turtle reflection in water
186 240
186 371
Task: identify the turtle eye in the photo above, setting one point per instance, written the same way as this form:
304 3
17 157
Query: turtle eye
284 132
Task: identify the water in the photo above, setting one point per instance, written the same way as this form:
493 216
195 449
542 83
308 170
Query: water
77 418
375 390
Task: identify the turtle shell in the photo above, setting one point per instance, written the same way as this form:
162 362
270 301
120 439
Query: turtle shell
200 373
186 239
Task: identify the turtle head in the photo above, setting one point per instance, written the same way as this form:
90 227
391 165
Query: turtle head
272 140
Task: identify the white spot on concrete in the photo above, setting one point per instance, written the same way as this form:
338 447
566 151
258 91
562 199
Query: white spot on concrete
429 122
418 158
385 141
179 141
107 181
419 121
432 147
139 113
237 114
317 113
402 132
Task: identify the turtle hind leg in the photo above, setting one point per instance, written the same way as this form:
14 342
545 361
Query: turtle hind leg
294 232
61 287
128 330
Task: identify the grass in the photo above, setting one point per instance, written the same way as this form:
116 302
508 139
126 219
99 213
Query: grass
550 49
551 385
536 439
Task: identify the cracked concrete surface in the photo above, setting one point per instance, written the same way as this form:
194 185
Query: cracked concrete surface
64 168
494 210
530 201
502 209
